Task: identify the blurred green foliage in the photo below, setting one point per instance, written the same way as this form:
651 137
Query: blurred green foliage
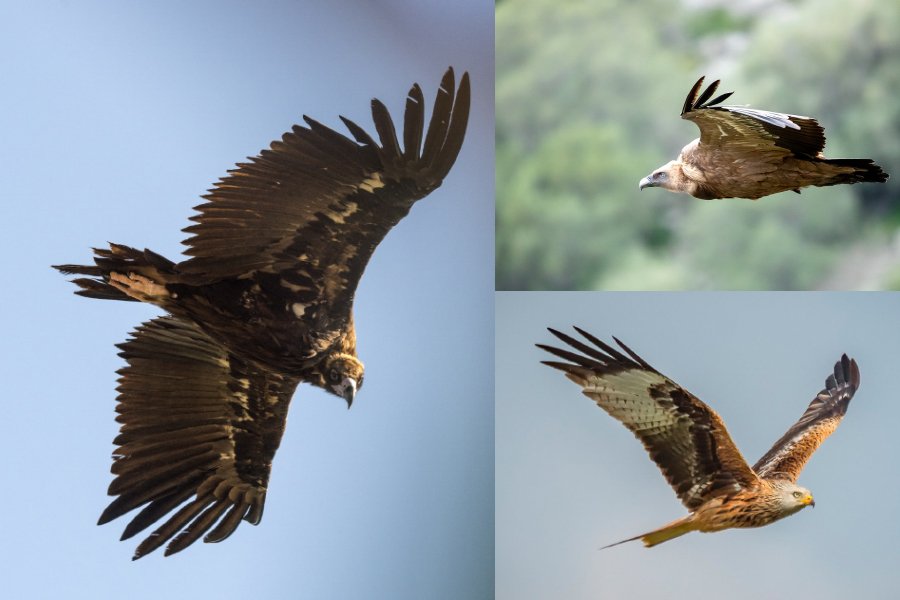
588 98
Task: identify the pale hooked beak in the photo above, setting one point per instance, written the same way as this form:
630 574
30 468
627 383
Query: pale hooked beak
808 501
346 390
646 182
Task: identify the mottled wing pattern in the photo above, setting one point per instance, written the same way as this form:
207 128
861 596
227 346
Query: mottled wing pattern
199 428
314 206
743 128
789 455
686 439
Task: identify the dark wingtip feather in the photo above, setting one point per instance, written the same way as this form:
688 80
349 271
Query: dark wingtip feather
695 100
719 99
692 95
384 125
707 94
456 131
413 123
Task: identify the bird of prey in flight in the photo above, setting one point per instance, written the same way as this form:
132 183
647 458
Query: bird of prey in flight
263 303
749 153
689 443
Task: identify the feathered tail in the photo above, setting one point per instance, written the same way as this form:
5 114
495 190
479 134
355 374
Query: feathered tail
663 534
125 262
863 170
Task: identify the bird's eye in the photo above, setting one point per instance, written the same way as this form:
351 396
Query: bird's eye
798 494
334 376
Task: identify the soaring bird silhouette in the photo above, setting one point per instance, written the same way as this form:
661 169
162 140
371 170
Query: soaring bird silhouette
264 303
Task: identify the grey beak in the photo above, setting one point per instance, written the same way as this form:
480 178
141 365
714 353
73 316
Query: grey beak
348 390
645 182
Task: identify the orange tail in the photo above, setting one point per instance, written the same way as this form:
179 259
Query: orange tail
663 534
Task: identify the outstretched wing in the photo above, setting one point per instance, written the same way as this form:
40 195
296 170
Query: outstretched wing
748 128
199 429
686 439
315 205
789 454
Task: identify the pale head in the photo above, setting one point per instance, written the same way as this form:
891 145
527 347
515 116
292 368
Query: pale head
671 177
792 497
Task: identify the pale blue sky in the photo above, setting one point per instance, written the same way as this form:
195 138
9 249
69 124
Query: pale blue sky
571 479
116 117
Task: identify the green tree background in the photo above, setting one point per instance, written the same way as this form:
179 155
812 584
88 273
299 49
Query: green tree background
588 99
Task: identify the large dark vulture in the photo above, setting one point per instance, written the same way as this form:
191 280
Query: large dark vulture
748 153
264 303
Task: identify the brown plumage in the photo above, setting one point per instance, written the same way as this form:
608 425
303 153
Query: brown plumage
749 153
264 303
689 442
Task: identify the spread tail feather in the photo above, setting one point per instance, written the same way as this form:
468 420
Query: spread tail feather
863 170
119 259
663 534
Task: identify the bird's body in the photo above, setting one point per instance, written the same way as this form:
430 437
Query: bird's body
749 153
264 303
689 442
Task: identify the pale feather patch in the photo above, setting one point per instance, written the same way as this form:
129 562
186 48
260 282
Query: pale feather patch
299 309
340 216
138 287
372 183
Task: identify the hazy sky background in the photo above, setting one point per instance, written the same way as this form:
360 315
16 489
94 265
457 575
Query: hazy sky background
116 117
571 479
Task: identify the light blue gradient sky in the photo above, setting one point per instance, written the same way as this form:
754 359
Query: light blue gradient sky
116 117
571 479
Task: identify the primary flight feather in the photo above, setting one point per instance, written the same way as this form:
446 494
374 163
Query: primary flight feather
264 303
689 443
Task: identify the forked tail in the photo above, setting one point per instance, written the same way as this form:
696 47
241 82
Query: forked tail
663 534
122 260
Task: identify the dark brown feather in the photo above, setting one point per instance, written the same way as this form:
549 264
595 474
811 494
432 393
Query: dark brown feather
218 450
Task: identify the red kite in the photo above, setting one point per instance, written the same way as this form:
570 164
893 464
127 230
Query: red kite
689 442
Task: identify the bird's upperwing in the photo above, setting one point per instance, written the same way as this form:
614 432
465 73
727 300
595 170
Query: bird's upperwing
198 427
788 456
316 203
750 128
684 436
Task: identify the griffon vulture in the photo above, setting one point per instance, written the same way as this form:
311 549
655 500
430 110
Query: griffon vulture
263 304
749 153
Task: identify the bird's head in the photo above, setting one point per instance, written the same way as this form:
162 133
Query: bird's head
339 374
793 497
661 177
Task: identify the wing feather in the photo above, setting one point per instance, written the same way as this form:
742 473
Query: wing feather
789 455
686 438
200 427
739 127
317 198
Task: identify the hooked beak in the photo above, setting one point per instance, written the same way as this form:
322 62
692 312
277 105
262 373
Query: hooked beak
346 390
808 501
646 182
